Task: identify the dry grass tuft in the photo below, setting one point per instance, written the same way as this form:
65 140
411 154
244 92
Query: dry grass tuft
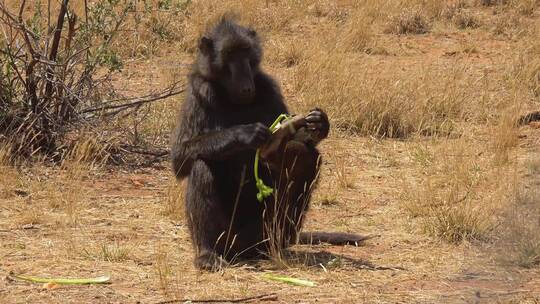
526 7
492 2
523 7
409 21
464 19
356 34
448 198
469 47
505 137
30 215
508 24
163 269
341 174
527 64
201 15
457 223
285 53
114 253
533 167
87 150
174 204
398 105
6 155
519 235
327 9
9 175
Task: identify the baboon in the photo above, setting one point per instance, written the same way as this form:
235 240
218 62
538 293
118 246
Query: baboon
229 105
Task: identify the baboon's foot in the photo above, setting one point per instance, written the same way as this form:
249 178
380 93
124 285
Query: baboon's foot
210 261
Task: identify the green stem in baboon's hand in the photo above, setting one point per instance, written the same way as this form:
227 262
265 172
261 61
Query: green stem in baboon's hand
264 190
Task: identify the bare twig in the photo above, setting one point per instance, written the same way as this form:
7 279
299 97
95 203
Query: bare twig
16 19
48 25
137 150
265 297
171 91
21 10
58 30
54 47
86 21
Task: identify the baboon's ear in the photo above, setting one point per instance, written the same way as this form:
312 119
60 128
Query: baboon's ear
206 46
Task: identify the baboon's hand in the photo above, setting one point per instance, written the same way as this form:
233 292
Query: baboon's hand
317 123
253 135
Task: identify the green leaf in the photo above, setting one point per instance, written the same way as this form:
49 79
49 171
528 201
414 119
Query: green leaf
288 280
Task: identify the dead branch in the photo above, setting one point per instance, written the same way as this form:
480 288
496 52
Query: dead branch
265 297
21 10
51 81
171 91
54 47
58 30
138 150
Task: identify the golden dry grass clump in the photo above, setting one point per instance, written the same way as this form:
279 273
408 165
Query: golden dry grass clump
410 21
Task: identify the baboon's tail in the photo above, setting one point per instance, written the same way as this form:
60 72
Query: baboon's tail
528 118
334 238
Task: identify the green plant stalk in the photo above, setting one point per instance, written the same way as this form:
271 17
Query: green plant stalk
289 280
264 190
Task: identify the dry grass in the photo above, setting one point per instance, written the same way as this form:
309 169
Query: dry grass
527 63
9 175
356 34
520 233
114 252
505 137
285 53
405 106
174 205
5 154
448 198
410 21
341 174
163 269
424 152
464 19
533 166
492 2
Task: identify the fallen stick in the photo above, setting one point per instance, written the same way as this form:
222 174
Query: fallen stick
265 297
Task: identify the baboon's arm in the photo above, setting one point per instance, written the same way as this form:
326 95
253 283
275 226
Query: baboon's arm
214 145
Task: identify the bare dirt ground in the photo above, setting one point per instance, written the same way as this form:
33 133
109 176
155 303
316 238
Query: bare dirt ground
121 230
85 221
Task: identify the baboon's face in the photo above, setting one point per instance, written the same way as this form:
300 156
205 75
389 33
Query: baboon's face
237 75
232 54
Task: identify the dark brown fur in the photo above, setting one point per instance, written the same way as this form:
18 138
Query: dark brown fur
224 118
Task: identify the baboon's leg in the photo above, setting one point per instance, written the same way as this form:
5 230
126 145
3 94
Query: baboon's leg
300 164
206 220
